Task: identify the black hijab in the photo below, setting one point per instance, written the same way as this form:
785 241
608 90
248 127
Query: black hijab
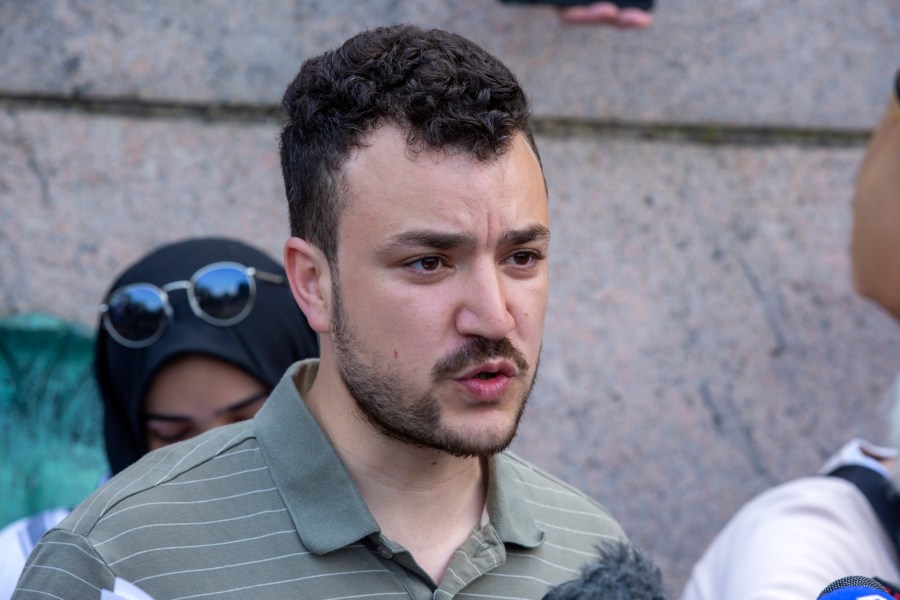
273 336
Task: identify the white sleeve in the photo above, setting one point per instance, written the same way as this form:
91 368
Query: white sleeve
792 541
12 557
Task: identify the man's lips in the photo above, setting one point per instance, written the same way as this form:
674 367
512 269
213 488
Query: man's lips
486 390
489 370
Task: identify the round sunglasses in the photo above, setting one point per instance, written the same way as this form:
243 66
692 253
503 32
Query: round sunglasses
221 294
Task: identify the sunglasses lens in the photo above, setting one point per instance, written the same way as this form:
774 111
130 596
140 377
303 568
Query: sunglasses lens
136 313
223 294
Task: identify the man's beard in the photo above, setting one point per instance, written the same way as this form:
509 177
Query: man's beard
384 402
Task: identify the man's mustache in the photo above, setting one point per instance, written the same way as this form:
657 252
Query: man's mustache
477 351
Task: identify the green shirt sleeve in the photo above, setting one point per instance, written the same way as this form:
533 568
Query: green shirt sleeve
64 565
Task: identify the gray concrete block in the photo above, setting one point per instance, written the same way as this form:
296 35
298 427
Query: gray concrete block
85 196
171 51
754 63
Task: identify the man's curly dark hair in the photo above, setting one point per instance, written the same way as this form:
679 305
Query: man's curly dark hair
445 92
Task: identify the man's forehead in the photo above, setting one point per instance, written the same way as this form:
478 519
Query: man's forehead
397 193
396 139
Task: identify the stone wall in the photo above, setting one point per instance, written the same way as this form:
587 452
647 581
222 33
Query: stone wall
703 340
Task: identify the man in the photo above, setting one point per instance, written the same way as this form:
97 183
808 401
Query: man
420 222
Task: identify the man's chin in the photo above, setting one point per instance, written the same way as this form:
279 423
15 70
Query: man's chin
484 432
474 443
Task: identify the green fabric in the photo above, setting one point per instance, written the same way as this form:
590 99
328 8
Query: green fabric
51 442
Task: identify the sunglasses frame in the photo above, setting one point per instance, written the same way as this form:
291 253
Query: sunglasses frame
162 292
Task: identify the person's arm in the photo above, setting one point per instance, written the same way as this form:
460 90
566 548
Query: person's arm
875 246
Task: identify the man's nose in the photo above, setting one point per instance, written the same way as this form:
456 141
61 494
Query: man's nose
484 306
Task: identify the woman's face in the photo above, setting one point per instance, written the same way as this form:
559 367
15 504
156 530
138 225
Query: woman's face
195 393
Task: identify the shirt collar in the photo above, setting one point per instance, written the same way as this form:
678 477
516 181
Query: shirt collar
507 505
861 453
324 503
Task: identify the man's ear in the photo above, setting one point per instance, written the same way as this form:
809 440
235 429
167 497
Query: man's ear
309 275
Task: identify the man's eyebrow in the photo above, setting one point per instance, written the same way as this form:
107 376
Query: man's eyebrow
426 238
518 237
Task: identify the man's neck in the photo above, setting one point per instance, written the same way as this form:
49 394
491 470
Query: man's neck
425 500
430 509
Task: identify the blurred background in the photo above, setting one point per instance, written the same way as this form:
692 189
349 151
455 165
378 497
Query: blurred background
703 339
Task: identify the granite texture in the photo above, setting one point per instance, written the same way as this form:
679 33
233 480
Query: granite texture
703 341
757 63
85 196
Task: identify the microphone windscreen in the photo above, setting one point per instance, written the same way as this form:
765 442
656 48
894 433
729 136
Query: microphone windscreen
620 573
854 587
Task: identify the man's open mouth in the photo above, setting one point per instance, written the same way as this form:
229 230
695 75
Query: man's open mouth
484 375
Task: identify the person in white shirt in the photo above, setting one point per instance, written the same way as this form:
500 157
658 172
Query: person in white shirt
794 539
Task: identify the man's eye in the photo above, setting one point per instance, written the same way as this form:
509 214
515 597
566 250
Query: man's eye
524 258
427 263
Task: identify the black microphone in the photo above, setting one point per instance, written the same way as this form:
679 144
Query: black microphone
854 587
621 573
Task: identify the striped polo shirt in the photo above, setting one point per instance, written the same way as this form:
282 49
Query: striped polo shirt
266 509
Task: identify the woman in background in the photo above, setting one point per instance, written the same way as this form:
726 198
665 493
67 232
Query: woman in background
192 336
